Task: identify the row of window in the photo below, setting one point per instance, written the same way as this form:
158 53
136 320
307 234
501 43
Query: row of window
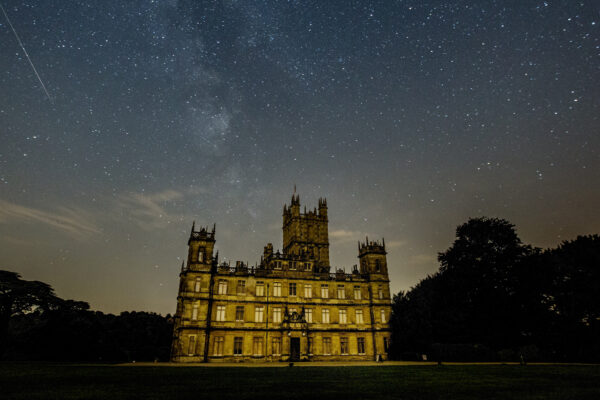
293 265
221 315
222 288
257 346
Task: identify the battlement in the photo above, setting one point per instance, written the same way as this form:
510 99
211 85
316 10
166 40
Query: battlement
203 234
371 247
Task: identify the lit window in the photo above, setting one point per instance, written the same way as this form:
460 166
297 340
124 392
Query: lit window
218 346
326 345
220 313
292 289
344 345
380 292
239 313
359 317
276 350
361 345
343 318
308 315
383 316
325 316
325 291
260 288
192 345
258 314
357 293
201 254
277 289
197 285
308 291
238 345
222 286
276 314
195 312
258 346
341 292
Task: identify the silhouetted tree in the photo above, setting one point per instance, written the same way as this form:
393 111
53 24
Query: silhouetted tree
18 296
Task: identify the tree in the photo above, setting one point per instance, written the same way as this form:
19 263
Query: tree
18 296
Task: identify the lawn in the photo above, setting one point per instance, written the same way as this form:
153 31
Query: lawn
67 381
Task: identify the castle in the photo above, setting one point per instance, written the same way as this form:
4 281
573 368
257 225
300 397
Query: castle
290 307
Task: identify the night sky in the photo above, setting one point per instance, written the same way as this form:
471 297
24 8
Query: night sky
409 116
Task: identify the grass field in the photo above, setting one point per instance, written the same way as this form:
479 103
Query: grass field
66 381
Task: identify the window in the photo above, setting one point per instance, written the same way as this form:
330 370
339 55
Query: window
260 288
344 345
218 346
325 316
258 314
341 292
308 266
201 254
276 314
326 345
292 289
380 292
192 345
241 287
195 312
222 286
325 291
276 347
386 344
360 342
238 345
258 346
197 285
308 315
293 310
308 291
239 313
359 317
277 265
343 318
357 293
309 343
383 316
377 265
277 289
293 265
220 313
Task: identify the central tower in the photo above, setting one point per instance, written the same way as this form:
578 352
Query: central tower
306 234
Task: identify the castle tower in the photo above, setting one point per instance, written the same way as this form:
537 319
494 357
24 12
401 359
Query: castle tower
372 258
200 249
306 234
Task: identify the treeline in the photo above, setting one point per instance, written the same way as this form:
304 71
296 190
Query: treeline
35 324
495 298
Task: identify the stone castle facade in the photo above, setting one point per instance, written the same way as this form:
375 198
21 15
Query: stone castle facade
290 307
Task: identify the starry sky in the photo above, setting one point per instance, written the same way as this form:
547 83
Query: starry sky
409 116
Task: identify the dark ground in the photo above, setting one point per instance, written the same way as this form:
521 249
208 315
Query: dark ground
75 381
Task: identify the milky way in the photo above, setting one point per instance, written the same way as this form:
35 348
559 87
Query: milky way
409 116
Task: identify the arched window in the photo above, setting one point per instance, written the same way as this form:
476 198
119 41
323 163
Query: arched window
201 254
378 265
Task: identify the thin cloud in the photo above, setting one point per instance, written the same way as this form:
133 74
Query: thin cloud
72 221
149 211
344 236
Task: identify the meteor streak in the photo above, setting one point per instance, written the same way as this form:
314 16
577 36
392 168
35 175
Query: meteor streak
25 51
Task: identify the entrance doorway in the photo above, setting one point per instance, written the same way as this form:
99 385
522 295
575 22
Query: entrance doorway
294 349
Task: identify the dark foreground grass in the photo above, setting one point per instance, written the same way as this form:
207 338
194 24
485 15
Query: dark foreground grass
64 381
